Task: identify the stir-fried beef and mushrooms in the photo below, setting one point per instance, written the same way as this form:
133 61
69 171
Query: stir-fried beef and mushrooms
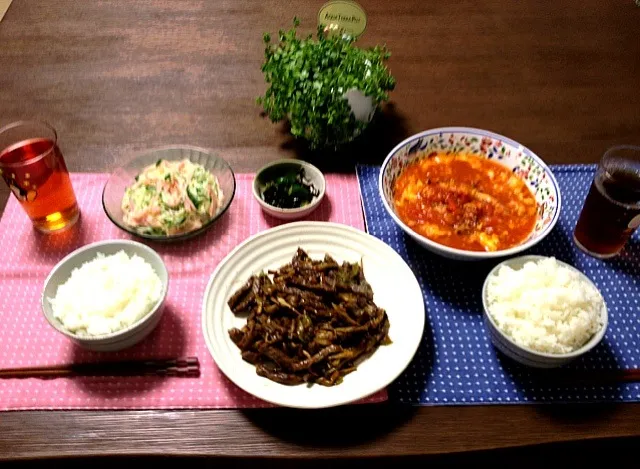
310 321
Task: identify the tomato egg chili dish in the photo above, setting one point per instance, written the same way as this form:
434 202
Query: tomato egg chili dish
465 202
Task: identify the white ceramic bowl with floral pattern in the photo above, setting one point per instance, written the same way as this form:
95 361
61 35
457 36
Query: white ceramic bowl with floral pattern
509 153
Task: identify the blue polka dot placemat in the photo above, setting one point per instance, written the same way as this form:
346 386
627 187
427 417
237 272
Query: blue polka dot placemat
456 362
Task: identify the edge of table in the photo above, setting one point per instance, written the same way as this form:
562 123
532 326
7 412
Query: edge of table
363 431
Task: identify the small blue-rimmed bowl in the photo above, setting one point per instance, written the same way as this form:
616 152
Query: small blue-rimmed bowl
509 153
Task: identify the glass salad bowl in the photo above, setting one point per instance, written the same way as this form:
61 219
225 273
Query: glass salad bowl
125 176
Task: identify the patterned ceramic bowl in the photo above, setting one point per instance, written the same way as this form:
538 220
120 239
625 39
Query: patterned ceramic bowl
519 159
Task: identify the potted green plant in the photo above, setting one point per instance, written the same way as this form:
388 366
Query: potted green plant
327 88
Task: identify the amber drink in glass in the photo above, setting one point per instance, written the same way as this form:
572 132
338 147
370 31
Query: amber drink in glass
611 211
34 169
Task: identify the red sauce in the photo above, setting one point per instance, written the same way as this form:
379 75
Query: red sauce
466 202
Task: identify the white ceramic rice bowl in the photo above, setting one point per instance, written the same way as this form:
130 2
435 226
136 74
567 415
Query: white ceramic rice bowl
525 355
123 338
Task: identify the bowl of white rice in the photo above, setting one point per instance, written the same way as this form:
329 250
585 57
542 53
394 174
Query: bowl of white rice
542 312
106 296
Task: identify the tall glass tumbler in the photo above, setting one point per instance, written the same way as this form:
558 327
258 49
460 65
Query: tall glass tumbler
33 167
611 212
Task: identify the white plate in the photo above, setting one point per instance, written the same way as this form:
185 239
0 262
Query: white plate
394 286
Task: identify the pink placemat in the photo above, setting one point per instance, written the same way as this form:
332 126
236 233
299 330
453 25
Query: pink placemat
26 339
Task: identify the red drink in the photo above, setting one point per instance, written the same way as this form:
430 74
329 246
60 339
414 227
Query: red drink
35 171
611 212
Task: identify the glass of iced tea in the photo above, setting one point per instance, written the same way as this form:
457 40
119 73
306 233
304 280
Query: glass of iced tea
611 212
32 166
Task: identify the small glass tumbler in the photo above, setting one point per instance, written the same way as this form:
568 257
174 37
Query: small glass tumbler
611 211
33 167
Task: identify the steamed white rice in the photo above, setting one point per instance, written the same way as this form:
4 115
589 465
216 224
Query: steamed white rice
106 294
545 306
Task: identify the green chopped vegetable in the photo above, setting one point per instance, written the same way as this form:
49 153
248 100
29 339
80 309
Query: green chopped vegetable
170 198
307 80
290 190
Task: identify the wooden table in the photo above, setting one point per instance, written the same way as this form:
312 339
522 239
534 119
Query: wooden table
116 77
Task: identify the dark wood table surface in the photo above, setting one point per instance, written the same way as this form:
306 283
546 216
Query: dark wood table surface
116 77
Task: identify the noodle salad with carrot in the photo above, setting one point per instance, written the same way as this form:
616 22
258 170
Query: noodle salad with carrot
171 198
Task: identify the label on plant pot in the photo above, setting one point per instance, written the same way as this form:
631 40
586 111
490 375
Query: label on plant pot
342 17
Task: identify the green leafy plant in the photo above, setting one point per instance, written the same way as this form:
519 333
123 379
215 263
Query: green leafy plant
308 78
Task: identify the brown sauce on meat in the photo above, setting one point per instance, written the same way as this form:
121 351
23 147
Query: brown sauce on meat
310 321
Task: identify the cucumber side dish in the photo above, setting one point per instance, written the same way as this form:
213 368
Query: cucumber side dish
171 198
290 190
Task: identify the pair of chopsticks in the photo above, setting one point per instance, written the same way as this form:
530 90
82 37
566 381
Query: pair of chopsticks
174 367
601 377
